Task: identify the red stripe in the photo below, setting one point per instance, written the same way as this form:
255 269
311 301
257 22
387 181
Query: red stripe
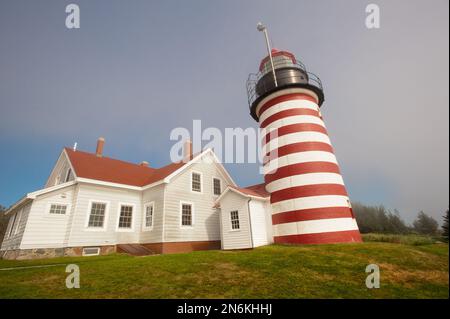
300 147
287 113
284 98
294 128
302 168
311 214
306 191
347 236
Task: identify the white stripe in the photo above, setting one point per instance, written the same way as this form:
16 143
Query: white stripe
310 202
288 105
296 119
304 179
292 138
297 158
286 92
315 226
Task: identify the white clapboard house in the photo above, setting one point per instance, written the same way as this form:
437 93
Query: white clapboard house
92 204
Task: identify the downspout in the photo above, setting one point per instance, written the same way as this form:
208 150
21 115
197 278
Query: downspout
250 222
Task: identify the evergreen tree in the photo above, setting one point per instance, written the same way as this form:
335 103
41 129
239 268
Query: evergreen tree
445 226
425 224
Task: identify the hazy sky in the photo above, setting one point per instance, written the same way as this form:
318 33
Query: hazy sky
137 69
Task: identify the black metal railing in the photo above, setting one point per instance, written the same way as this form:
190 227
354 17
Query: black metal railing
254 78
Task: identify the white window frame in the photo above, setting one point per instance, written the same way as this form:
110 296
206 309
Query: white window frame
144 219
192 215
133 217
105 220
201 183
220 182
49 206
87 255
231 222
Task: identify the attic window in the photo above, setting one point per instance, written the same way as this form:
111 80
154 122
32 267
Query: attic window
58 209
69 172
196 182
216 186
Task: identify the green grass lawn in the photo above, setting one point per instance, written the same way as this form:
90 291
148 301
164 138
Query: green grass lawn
323 271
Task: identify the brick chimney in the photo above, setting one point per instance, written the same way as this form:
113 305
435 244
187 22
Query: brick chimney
99 150
187 151
144 163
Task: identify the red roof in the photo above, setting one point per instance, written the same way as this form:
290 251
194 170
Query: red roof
275 53
88 165
258 190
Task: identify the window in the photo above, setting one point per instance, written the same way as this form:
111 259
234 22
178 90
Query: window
69 172
19 218
149 215
196 182
186 214
97 215
126 216
234 219
58 209
12 221
91 251
216 186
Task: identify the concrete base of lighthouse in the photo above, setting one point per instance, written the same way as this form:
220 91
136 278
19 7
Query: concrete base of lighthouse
348 236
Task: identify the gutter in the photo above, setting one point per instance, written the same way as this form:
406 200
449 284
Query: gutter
250 223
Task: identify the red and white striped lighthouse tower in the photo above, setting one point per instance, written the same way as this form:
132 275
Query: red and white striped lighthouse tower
309 201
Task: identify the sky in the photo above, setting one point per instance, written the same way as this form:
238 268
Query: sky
135 70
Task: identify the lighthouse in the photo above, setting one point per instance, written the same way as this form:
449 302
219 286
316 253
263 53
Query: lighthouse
308 198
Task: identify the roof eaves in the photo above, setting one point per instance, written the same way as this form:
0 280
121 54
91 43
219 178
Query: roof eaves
104 183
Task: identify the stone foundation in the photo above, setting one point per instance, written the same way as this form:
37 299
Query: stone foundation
41 253
158 248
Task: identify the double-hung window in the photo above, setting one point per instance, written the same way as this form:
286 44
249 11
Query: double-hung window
97 215
126 217
196 181
186 214
217 189
148 217
234 216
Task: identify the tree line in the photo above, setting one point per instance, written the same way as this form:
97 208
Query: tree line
378 219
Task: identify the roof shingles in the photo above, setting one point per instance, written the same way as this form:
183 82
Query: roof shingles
88 165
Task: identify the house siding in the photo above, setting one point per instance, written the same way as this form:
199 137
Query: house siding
235 239
45 230
206 218
80 235
261 223
156 195
15 240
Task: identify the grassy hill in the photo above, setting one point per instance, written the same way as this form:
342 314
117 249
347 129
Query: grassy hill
325 271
